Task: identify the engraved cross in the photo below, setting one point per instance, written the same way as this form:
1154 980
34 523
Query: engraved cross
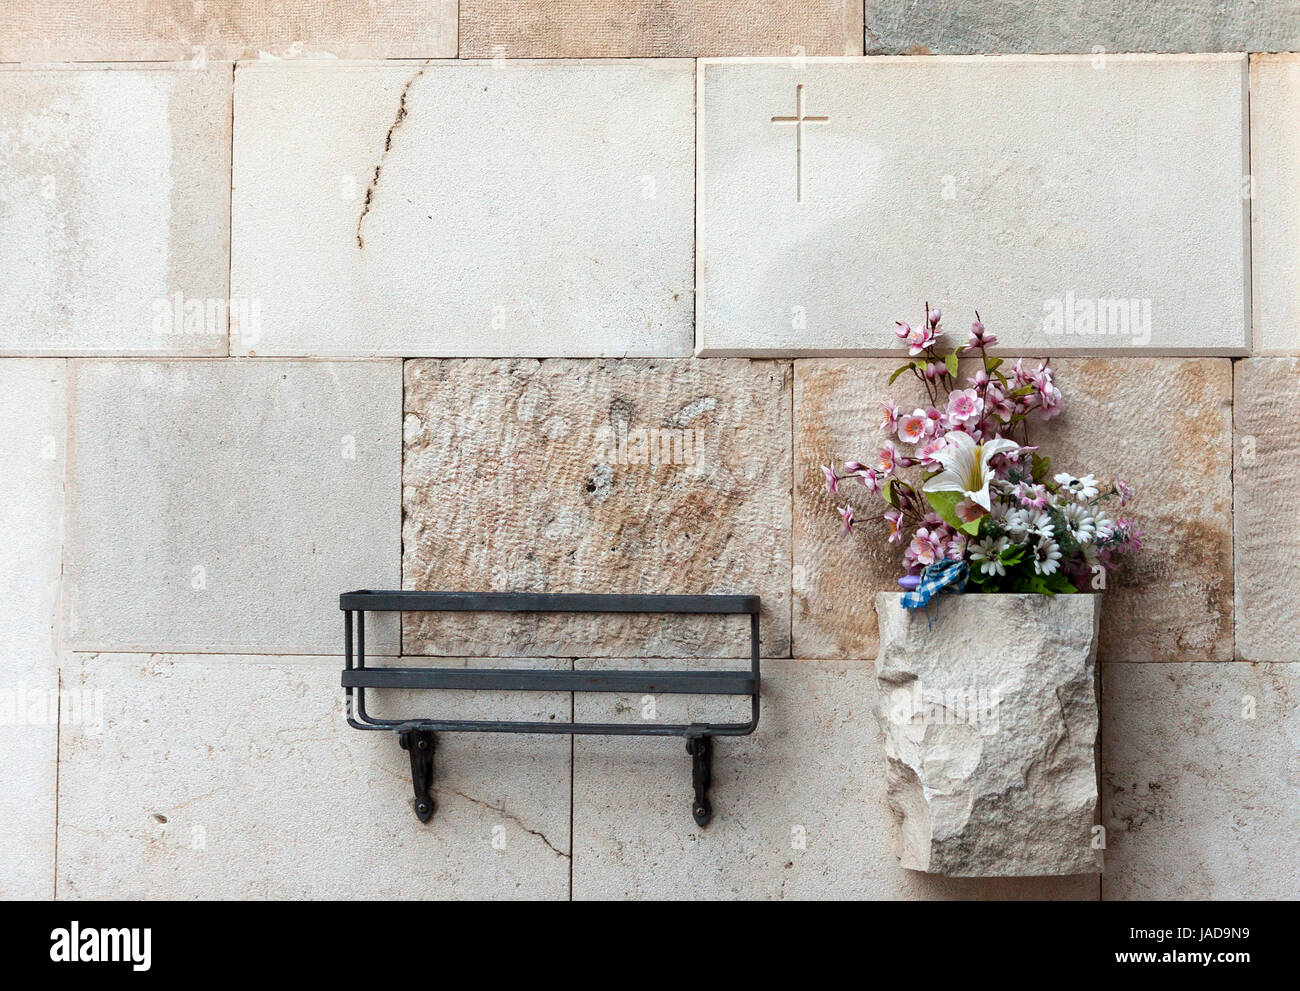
798 120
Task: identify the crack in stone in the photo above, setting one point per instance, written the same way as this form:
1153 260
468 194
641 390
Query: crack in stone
388 145
509 815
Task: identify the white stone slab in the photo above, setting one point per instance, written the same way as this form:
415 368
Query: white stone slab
164 30
33 405
114 209
799 807
1275 212
270 794
1019 185
223 505
1201 781
539 208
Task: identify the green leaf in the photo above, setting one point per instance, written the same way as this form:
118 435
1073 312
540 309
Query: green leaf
888 494
951 363
897 372
994 364
1041 466
945 504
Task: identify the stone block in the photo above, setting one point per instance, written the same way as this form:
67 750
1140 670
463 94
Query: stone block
33 409
632 28
662 477
115 211
151 30
1162 424
1089 26
1265 498
270 794
1275 210
1201 769
224 505
1084 206
486 209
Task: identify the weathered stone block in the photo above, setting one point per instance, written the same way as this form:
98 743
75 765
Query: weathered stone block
270 794
1067 195
631 28
150 30
608 476
465 208
1172 600
224 505
1090 26
115 210
988 706
1266 497
799 806
33 409
1275 217
1200 781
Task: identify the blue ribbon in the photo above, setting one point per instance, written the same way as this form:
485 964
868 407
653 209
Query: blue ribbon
946 574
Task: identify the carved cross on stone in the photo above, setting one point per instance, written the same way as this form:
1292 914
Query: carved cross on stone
798 120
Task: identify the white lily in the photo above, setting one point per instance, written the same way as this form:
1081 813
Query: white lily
966 466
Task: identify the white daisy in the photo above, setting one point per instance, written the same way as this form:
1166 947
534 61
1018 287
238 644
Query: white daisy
988 553
1047 557
1079 522
1083 489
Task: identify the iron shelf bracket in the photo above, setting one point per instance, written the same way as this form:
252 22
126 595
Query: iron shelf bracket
419 736
420 744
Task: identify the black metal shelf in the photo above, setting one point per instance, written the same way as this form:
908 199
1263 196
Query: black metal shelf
417 736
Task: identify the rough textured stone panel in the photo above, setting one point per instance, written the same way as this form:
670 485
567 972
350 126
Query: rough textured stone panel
799 808
988 706
1038 186
1266 494
115 210
1200 777
958 26
455 208
272 795
224 505
1275 211
1162 424
546 477
59 30
33 405
630 28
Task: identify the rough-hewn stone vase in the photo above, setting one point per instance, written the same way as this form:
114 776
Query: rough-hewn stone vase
988 706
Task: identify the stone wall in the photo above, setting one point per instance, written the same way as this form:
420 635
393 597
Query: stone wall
542 296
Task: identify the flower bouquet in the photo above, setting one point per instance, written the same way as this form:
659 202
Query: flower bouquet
965 490
988 707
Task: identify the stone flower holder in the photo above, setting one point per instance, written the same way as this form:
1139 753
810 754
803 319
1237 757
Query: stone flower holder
988 705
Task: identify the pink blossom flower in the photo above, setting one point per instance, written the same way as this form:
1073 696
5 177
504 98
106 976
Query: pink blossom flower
901 330
1125 492
832 480
979 336
891 416
1031 496
968 511
920 338
887 458
963 406
846 514
956 549
870 479
895 520
911 428
929 453
924 548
